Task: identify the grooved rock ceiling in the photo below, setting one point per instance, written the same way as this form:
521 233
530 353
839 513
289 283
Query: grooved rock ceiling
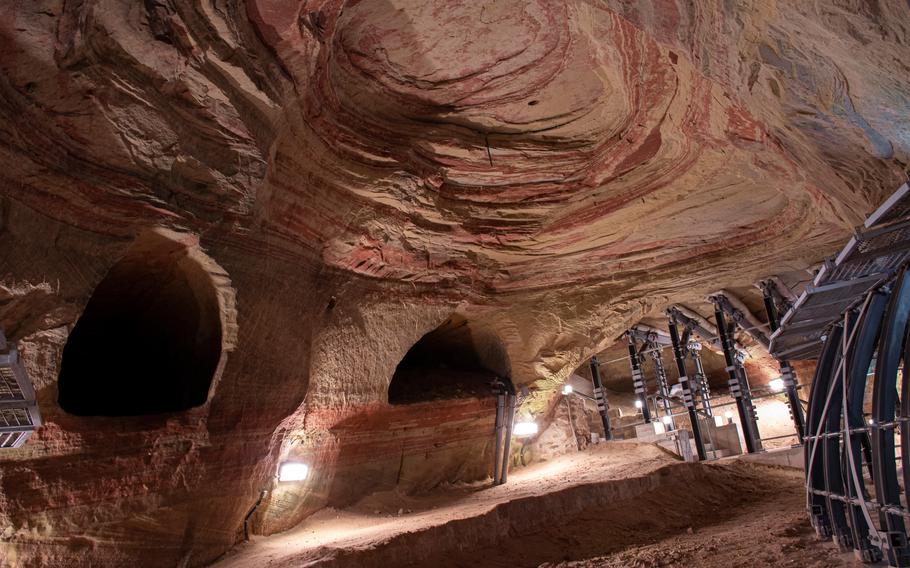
352 174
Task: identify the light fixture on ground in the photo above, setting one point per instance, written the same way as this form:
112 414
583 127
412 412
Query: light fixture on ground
638 404
567 389
524 429
293 471
776 385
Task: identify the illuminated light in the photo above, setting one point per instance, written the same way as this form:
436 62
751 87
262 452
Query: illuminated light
524 429
871 422
567 389
293 471
667 420
638 404
776 385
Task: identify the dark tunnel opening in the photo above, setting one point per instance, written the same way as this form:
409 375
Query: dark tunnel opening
149 340
455 360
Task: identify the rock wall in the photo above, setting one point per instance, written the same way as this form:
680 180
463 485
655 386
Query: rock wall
360 173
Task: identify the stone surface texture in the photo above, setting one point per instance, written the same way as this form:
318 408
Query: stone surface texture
359 172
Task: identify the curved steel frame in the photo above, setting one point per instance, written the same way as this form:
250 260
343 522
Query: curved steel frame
839 439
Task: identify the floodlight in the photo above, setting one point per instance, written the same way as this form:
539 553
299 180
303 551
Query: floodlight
293 471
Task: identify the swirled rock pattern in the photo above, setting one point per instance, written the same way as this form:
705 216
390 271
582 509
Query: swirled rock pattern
551 171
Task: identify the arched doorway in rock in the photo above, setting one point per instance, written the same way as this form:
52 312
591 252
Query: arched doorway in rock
150 338
455 360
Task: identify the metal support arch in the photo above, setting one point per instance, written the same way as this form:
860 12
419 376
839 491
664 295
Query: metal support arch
838 436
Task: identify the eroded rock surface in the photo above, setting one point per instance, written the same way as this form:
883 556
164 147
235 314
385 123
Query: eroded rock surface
360 171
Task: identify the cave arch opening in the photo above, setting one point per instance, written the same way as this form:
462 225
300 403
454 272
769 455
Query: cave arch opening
458 359
150 338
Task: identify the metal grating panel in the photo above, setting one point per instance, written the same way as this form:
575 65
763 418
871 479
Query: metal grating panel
9 386
11 439
19 415
871 256
15 418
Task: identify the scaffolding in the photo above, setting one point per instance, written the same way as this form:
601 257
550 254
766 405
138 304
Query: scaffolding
19 415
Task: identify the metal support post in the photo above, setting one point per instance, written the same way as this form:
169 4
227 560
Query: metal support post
786 371
601 396
497 432
507 445
663 390
686 389
701 378
738 390
638 380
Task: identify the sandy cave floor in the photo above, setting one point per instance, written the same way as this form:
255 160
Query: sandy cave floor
623 504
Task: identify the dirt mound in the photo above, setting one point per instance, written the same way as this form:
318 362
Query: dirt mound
592 521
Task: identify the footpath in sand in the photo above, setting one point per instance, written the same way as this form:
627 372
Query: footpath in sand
617 505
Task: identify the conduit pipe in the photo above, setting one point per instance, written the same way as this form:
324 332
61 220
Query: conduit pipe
497 432
507 446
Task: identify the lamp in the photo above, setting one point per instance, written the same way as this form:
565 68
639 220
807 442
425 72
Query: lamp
293 471
525 429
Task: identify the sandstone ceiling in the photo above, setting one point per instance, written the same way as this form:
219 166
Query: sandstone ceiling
358 171
497 146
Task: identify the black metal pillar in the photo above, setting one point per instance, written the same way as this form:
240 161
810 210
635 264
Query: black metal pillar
786 371
663 389
701 378
738 391
638 380
686 389
601 396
